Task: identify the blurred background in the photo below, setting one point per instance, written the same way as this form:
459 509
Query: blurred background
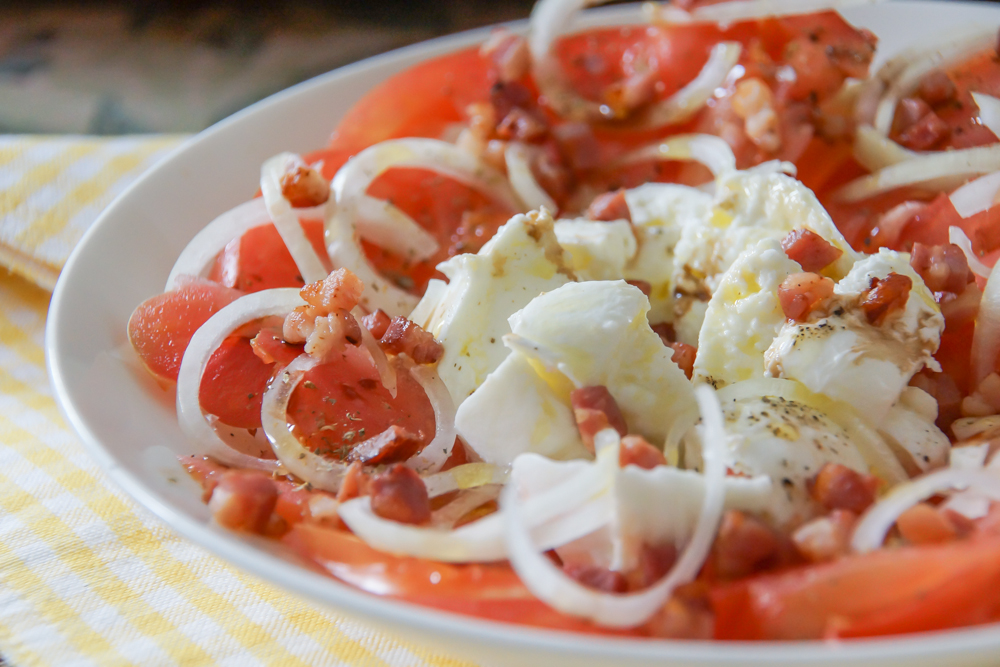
116 67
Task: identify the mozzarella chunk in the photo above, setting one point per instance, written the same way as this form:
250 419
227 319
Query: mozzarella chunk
468 316
838 353
787 441
743 316
910 430
597 250
581 334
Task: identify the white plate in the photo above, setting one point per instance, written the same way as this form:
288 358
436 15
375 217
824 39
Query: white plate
127 423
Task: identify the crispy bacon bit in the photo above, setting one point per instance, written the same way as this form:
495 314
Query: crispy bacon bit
753 102
925 524
801 293
642 286
631 93
339 290
393 445
943 267
909 112
377 323
405 336
635 450
666 332
398 494
243 500
926 133
509 54
610 206
810 250
326 323
885 297
838 487
961 309
825 537
521 125
506 96
595 409
578 143
744 545
599 578
936 88
304 186
684 356
356 483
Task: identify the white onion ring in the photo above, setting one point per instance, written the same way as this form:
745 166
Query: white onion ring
465 476
709 150
989 111
286 220
518 159
925 170
203 344
976 196
467 500
986 339
436 452
906 81
957 237
386 373
967 428
879 518
554 587
874 151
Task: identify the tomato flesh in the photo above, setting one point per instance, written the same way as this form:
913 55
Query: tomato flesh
234 383
259 260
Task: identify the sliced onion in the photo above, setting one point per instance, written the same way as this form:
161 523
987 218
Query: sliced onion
467 500
986 339
876 452
386 373
933 171
286 220
555 588
432 457
707 149
989 111
953 51
690 99
967 428
957 237
876 522
465 476
518 160
203 344
976 196
874 151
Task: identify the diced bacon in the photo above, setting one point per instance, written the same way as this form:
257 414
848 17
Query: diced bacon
377 323
323 333
339 290
635 450
801 293
654 564
595 409
405 336
684 356
945 391
743 545
631 93
304 187
578 143
962 309
944 268
885 297
826 537
810 250
610 206
398 494
207 472
596 577
271 348
666 332
243 500
393 445
910 111
509 54
506 96
642 286
925 524
936 88
926 133
356 483
521 125
838 487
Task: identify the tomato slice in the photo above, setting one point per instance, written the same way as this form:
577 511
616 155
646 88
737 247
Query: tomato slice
343 402
234 383
908 589
259 260
161 327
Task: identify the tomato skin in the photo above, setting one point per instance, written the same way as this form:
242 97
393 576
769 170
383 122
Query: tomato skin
233 384
161 327
860 595
259 260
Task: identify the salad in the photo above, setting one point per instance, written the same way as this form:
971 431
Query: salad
684 330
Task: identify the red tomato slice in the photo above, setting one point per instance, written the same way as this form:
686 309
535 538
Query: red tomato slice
259 259
161 327
908 589
491 591
234 383
341 403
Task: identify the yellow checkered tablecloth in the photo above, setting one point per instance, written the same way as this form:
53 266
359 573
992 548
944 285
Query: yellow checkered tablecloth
87 577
